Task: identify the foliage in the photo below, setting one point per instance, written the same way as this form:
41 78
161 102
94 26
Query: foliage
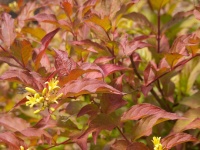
99 74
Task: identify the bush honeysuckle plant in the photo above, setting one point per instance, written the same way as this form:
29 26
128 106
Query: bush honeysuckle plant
99 74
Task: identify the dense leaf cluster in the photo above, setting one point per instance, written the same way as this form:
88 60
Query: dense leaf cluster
99 74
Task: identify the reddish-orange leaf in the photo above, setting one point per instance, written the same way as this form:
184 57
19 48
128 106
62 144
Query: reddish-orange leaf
144 127
176 139
137 146
90 109
67 8
143 110
119 145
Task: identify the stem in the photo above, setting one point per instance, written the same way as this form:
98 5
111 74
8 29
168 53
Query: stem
123 135
134 68
158 35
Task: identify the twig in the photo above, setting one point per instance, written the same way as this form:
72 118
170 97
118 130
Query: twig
162 104
123 135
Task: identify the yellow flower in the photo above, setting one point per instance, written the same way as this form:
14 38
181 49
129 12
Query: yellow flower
157 144
48 96
34 99
53 84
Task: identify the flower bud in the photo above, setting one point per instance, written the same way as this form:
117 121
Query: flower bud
30 90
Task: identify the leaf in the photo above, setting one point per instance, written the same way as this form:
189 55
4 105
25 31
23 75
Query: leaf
90 109
140 19
41 55
89 45
82 69
111 102
149 74
158 4
119 145
192 101
175 139
101 122
144 110
73 107
196 14
63 63
105 22
145 126
138 146
22 50
178 17
37 32
103 60
86 86
13 123
43 17
173 59
110 68
7 34
31 79
39 134
67 6
195 124
11 140
191 115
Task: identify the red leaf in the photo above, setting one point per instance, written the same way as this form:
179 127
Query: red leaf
7 33
144 127
90 109
89 45
86 86
149 74
13 123
42 17
41 55
111 102
82 69
101 122
103 60
176 139
119 145
32 79
63 63
144 110
110 68
11 140
137 146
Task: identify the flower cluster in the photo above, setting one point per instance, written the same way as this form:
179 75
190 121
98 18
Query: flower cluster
48 96
157 144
